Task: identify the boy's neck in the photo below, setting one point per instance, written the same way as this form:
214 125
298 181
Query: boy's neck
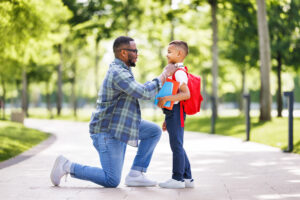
179 64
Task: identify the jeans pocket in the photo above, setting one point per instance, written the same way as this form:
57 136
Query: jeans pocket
95 137
100 141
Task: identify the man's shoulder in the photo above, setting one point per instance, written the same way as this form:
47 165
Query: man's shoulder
116 68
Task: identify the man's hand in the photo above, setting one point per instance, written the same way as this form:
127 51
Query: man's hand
169 70
164 126
161 102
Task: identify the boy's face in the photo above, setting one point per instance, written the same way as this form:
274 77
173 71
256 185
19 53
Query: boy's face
173 54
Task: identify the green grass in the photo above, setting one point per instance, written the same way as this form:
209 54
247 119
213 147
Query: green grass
273 133
15 139
66 114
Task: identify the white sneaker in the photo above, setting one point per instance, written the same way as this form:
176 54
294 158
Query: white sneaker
139 181
173 184
189 183
58 170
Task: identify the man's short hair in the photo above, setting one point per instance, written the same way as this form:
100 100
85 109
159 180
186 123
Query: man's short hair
181 44
120 42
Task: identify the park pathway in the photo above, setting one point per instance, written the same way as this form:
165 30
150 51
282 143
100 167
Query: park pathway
224 168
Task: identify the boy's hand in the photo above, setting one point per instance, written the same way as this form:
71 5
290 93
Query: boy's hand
164 126
161 102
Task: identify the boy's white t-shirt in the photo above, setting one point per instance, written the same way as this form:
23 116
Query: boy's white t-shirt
180 76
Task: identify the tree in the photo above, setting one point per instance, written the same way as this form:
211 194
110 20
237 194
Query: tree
241 37
284 19
265 61
215 55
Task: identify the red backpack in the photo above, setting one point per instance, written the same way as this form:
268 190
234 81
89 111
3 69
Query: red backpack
192 105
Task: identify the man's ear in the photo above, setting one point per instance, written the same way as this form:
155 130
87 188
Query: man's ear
122 53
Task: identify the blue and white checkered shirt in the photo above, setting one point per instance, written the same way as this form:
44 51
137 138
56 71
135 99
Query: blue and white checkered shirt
118 110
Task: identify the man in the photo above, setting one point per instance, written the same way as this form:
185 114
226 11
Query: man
117 122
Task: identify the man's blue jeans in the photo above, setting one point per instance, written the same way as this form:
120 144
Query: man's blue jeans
112 153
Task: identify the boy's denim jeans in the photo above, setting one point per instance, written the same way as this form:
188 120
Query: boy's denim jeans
181 164
112 153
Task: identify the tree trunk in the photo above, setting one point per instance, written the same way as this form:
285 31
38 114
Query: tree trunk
172 24
73 94
24 91
213 4
279 97
161 57
59 83
172 30
126 16
265 61
2 104
241 99
48 100
204 93
97 58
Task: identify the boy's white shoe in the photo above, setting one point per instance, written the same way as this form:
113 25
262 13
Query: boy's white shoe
58 170
189 183
173 184
139 181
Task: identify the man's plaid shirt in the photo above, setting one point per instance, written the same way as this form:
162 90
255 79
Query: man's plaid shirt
118 110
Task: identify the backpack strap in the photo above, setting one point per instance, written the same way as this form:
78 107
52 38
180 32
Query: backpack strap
185 69
182 69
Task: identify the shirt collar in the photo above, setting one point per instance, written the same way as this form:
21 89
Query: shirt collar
121 63
179 65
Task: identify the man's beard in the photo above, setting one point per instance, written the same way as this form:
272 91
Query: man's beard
130 61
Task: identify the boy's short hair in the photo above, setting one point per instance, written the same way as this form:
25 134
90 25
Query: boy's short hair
181 44
120 42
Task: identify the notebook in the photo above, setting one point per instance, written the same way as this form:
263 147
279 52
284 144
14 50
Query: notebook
170 87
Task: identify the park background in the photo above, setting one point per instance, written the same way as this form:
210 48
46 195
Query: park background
54 55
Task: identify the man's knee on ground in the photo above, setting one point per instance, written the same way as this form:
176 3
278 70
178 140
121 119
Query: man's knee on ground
112 182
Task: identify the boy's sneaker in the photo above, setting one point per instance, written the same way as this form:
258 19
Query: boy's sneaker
139 181
58 170
189 183
173 184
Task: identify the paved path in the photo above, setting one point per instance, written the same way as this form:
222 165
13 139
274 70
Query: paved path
223 168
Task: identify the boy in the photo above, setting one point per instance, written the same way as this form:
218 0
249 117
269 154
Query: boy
181 177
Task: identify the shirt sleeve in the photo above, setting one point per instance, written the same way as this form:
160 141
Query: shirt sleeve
125 82
181 77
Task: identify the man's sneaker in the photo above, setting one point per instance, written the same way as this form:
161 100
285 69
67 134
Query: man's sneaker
173 184
139 181
58 170
189 183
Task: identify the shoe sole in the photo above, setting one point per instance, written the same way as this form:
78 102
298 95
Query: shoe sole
172 187
53 169
137 184
189 186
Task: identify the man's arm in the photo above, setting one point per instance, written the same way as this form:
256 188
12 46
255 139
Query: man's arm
124 81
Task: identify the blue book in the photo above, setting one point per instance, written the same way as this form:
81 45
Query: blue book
166 90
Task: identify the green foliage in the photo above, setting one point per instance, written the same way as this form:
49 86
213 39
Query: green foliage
284 26
31 30
241 33
15 139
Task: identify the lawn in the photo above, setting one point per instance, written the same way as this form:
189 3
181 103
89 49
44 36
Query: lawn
273 133
15 139
66 114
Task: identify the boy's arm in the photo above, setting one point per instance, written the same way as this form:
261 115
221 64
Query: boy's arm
184 94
